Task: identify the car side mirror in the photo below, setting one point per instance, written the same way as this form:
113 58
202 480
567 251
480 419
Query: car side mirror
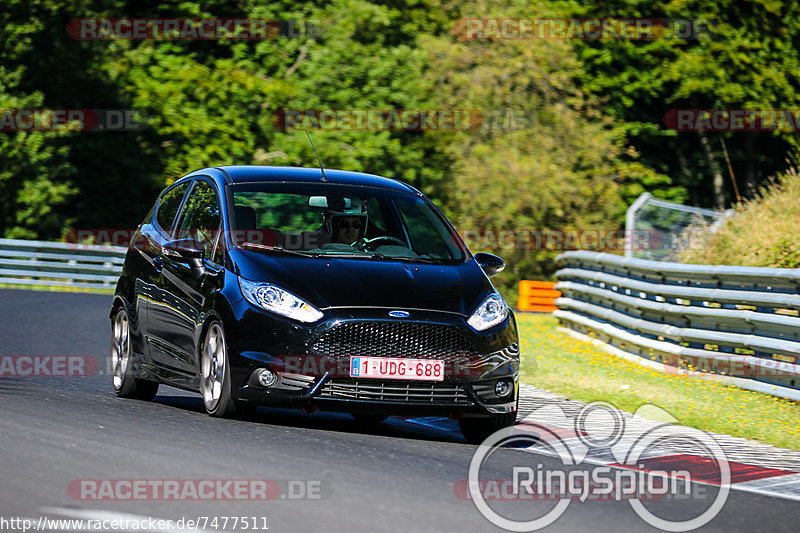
490 263
188 250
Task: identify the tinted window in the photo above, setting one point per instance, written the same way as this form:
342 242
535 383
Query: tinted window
281 211
168 207
425 228
201 217
335 219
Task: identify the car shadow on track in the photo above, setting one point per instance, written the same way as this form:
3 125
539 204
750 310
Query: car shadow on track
423 428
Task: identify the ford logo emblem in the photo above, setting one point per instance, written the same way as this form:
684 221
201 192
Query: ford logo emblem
399 314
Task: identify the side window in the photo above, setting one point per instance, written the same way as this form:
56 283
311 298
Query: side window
168 206
427 233
375 214
200 218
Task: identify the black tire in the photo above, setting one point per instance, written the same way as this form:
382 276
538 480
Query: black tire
477 429
122 379
215 374
368 418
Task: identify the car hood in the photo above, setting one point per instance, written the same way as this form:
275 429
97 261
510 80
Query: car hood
341 282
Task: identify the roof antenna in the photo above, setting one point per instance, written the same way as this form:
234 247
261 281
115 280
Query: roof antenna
315 153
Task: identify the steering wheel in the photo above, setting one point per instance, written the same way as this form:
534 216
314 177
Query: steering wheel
369 245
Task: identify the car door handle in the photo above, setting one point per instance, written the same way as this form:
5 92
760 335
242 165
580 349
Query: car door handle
158 263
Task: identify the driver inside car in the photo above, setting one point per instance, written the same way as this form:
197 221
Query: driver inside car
348 223
348 229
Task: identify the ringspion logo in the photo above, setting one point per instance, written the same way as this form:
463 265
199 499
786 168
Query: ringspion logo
632 472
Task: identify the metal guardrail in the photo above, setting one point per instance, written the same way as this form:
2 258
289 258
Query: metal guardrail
740 322
60 264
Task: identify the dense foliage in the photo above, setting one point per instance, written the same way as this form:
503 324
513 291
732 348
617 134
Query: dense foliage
763 232
592 137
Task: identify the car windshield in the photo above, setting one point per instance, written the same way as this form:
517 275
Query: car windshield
327 219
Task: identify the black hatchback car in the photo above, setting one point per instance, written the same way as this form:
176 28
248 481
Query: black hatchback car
338 291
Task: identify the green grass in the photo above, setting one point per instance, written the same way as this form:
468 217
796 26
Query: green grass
557 362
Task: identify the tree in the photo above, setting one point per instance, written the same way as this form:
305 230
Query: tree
748 60
566 167
34 174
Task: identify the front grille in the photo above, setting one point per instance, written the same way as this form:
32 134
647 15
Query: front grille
395 391
393 339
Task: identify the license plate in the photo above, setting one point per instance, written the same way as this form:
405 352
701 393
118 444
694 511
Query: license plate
395 368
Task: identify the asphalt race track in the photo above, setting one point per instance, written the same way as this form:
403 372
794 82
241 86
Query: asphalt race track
394 476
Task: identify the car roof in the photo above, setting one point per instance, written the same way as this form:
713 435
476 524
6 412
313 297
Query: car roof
259 173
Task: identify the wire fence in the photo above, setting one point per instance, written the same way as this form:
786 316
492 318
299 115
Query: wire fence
678 226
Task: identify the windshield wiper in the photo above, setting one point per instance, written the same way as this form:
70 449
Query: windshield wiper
354 255
406 258
279 249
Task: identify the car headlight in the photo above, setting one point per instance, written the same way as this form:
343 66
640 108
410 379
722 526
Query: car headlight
491 312
277 300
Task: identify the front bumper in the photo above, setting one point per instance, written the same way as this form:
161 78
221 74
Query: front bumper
313 362
385 396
